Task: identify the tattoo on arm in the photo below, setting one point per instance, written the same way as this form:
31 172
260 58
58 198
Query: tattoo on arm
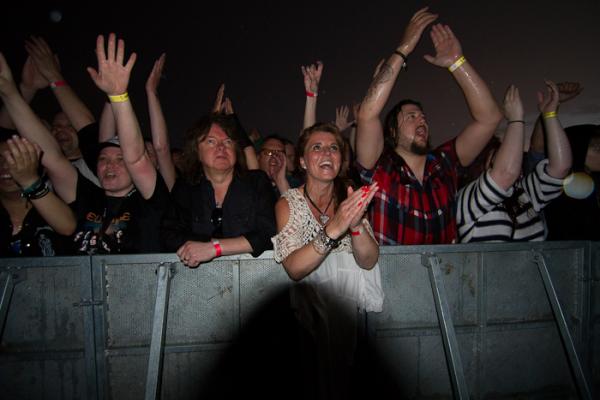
386 72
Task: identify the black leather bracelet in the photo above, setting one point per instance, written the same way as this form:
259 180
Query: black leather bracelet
404 57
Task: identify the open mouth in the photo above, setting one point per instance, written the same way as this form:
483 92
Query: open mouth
326 165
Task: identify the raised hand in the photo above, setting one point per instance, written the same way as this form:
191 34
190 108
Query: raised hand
112 76
548 102
22 158
31 76
156 74
513 107
44 59
218 105
414 30
341 118
312 75
447 47
227 106
351 211
568 91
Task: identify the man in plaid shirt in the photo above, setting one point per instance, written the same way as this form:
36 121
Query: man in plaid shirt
416 202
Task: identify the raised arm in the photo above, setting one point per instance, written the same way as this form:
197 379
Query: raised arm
107 127
60 170
22 158
31 82
484 110
559 149
47 63
312 76
566 91
506 166
158 125
112 77
369 133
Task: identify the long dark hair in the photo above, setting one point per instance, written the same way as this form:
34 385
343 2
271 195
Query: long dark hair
341 182
391 123
193 170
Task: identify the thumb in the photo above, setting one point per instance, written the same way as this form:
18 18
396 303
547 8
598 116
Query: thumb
429 58
93 73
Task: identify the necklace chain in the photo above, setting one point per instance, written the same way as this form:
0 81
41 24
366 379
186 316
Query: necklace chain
322 214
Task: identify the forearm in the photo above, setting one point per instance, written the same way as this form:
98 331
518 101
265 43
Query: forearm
559 149
507 163
107 128
364 249
130 134
482 105
537 143
251 159
56 213
380 88
160 140
237 245
302 262
73 107
310 112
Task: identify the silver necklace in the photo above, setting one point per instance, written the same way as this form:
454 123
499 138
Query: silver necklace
323 217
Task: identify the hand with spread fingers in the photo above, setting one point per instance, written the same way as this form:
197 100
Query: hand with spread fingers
414 30
22 158
341 118
312 76
112 76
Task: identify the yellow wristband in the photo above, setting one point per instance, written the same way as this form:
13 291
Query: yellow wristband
461 60
550 114
120 98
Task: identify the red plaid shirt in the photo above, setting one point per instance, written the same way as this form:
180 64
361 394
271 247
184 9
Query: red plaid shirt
404 211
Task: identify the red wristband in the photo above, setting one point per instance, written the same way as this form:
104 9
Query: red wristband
56 84
355 233
217 247
310 94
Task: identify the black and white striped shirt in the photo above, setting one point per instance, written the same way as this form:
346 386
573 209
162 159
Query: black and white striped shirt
482 216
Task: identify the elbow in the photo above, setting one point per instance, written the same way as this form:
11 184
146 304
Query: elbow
558 171
295 274
67 228
505 177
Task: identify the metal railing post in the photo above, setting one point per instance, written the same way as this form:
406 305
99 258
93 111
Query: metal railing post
565 334
457 375
161 306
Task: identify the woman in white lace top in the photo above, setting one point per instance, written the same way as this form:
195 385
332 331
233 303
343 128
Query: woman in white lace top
324 242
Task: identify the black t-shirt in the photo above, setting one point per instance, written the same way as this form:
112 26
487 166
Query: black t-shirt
247 210
35 239
119 225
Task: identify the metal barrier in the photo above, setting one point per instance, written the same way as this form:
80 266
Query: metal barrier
459 321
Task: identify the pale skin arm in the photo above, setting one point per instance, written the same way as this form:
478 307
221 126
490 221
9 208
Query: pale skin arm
47 63
277 173
369 133
484 110
158 125
306 259
559 148
312 76
507 163
193 253
60 170
112 77
566 92
107 128
22 158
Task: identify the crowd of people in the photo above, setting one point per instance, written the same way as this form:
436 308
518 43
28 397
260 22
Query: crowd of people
79 185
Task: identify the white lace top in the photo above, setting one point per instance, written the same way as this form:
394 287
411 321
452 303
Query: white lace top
338 275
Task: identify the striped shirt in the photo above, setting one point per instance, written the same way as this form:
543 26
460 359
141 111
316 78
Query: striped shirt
482 214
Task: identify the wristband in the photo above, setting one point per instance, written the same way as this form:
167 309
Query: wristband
404 58
217 245
310 94
461 60
32 188
516 120
550 114
356 232
35 191
120 98
56 84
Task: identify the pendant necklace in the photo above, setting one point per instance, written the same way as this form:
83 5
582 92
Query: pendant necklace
323 217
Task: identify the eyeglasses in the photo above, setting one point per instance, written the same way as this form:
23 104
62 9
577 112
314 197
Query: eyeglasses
272 153
216 219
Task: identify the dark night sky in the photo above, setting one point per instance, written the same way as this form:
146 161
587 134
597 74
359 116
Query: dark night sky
257 49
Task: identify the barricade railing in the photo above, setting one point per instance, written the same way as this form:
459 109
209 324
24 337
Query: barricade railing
458 321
